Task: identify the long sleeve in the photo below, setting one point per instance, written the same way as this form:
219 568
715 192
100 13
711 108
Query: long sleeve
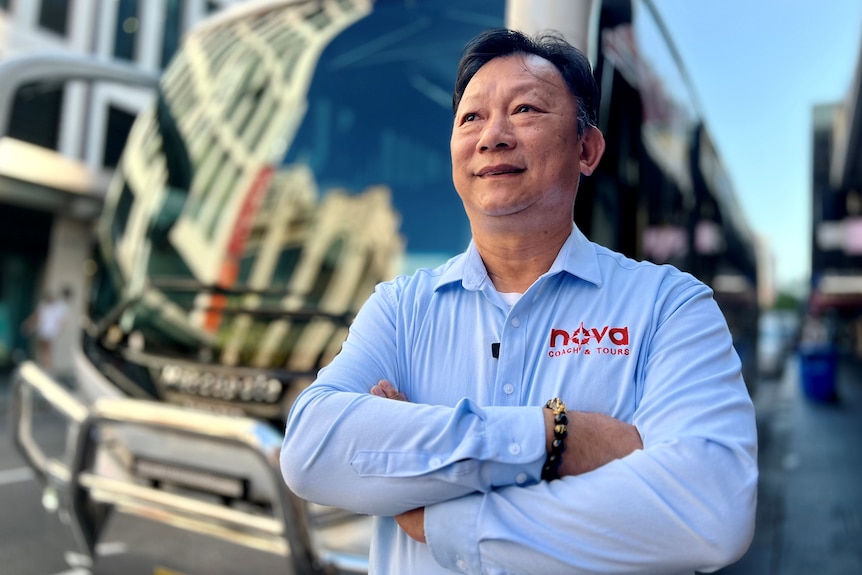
347 448
685 502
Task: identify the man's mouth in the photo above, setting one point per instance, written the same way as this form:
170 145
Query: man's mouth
499 170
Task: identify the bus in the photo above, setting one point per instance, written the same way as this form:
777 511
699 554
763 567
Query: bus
296 154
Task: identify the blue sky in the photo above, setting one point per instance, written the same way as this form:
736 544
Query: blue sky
759 67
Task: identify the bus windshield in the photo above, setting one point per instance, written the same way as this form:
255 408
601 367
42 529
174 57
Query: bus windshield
294 157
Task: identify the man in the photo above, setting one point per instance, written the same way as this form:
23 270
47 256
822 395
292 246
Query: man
652 470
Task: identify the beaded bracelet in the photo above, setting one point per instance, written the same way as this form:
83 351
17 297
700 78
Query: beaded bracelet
551 468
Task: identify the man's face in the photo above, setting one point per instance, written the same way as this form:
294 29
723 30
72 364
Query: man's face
515 146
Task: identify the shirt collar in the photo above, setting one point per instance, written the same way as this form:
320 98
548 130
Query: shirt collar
577 256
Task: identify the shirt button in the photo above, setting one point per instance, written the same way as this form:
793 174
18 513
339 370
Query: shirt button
509 388
516 322
514 449
434 462
462 565
521 478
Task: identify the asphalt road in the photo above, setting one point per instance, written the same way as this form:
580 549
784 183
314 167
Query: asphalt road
36 542
32 541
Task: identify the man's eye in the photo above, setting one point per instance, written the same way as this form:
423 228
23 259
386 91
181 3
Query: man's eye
469 117
524 108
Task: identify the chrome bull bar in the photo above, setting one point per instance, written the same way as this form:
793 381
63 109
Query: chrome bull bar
309 537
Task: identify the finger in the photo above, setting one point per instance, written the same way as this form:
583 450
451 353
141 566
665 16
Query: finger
383 389
393 393
387 388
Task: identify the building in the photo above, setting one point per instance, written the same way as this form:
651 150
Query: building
59 141
836 232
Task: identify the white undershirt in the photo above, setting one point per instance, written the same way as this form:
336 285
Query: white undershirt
511 298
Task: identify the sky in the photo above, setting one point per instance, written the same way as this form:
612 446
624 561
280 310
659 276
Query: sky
758 68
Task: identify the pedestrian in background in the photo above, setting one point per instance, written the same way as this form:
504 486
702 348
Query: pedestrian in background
539 404
46 323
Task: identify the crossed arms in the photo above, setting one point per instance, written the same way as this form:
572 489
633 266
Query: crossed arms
671 491
595 439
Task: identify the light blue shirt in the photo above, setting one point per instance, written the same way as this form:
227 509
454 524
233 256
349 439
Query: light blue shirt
643 343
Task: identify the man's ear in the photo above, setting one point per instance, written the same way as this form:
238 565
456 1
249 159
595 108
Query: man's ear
592 148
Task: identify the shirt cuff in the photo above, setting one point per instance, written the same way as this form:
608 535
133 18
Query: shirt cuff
515 446
451 532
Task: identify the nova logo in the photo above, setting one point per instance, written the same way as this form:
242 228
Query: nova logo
583 336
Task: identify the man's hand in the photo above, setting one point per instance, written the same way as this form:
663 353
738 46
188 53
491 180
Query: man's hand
593 440
413 523
387 390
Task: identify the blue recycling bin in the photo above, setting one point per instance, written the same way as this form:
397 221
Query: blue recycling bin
817 371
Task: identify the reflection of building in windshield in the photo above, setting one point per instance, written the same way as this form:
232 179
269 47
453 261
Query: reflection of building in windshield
224 252
327 257
237 92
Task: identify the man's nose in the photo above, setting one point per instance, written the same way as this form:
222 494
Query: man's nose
496 133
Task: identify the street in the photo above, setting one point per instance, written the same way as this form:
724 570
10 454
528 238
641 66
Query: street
32 541
36 542
809 512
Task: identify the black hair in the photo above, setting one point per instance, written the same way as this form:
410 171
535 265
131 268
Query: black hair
572 64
